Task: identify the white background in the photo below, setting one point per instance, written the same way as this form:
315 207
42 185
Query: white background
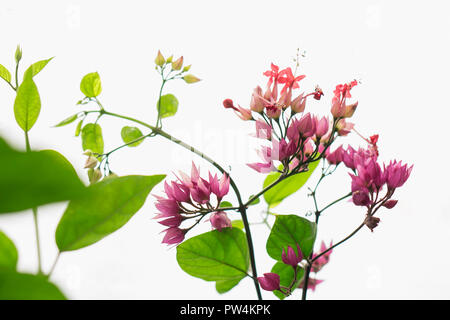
398 49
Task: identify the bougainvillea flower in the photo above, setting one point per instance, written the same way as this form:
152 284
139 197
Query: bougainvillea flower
270 281
291 257
173 236
220 220
397 174
318 264
336 156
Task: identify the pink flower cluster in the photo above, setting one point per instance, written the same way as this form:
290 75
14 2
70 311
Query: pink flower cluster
369 178
191 197
296 138
317 265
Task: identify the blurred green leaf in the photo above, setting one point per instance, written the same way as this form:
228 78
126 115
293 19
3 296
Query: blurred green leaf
27 105
237 224
225 204
130 134
5 74
36 67
8 253
168 105
78 128
91 85
220 256
285 188
290 230
256 201
108 205
35 178
67 120
21 286
92 138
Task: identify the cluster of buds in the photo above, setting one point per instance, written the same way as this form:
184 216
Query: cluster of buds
296 138
191 197
271 281
175 66
92 165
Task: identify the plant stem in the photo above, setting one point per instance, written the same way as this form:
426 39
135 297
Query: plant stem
54 265
35 215
242 207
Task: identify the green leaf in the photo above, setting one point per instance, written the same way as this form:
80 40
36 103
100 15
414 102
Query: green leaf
21 286
290 230
286 187
35 178
223 286
168 105
286 273
91 85
130 134
8 253
92 138
256 201
225 204
108 205
67 120
4 73
220 256
27 105
36 67
78 128
237 224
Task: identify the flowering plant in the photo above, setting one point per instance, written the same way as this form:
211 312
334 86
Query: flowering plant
293 141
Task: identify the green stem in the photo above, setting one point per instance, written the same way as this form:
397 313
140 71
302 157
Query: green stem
35 215
242 207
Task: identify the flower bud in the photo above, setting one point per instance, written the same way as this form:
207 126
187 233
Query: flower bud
350 110
169 59
270 281
220 220
298 104
94 175
177 64
186 68
371 222
160 59
91 162
291 257
18 54
189 78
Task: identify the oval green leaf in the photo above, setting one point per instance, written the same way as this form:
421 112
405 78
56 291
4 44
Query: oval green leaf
168 105
8 253
130 134
285 188
32 179
5 74
92 138
91 85
220 256
36 67
108 205
67 120
27 105
21 286
78 128
290 230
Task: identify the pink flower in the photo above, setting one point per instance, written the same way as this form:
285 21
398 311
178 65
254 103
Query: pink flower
291 257
298 104
219 187
343 127
322 127
263 130
318 264
273 75
338 106
270 281
173 236
220 220
306 126
262 167
397 174
336 156
312 283
390 204
257 102
244 114
289 80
